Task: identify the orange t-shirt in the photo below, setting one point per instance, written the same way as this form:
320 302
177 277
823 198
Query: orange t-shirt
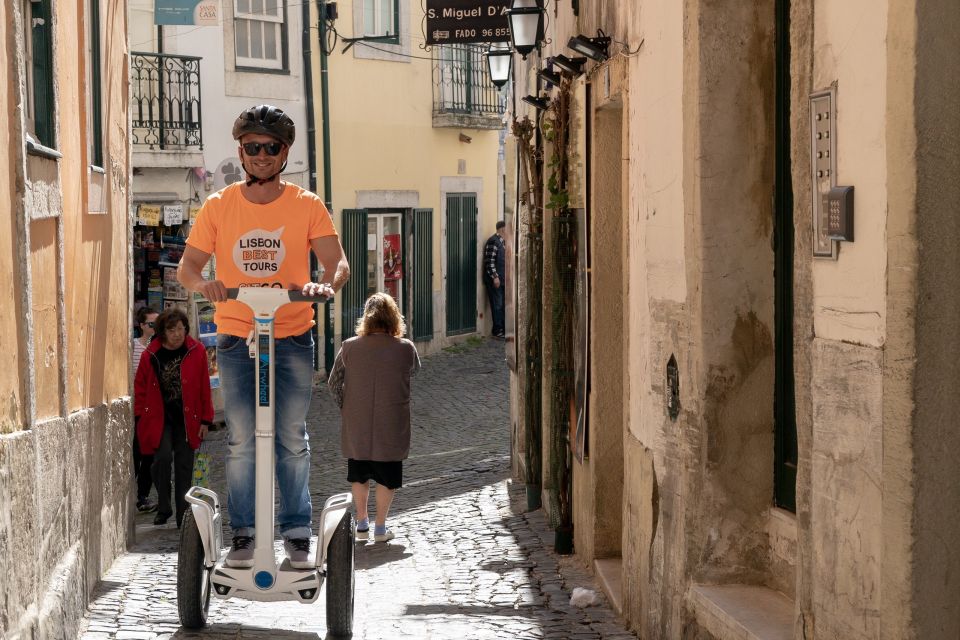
261 245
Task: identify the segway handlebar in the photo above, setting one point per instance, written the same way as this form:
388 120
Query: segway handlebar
296 295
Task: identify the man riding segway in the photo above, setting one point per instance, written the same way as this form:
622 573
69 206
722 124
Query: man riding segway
261 232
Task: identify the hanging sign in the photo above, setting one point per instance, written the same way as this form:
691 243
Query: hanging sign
149 215
194 212
465 21
199 13
172 214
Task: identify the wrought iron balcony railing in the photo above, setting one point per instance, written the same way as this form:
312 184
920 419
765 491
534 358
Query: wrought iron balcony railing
461 83
165 101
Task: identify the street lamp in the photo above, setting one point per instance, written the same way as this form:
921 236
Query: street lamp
499 60
526 25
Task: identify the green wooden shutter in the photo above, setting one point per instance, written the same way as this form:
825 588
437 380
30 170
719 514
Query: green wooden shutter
355 292
42 36
422 263
96 83
461 263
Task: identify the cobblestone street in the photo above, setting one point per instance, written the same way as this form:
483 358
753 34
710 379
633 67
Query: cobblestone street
467 562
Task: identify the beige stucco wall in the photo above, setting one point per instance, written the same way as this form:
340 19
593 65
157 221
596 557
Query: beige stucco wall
870 551
383 140
65 479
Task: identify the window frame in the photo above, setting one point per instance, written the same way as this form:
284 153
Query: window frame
388 38
95 142
261 64
42 131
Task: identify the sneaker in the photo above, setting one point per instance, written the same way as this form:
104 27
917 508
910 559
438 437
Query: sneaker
161 519
241 553
146 505
363 530
298 552
383 537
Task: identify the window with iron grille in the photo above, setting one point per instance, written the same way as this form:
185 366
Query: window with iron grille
260 33
461 82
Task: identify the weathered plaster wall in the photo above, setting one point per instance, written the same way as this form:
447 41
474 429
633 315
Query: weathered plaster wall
849 292
599 504
65 480
12 400
936 579
801 74
729 172
849 325
66 496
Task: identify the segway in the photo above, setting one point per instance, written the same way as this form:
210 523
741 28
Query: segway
200 566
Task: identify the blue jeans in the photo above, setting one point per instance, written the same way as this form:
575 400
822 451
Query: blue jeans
293 385
496 297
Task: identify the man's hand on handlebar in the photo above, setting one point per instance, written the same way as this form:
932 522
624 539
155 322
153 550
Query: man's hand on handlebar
318 290
212 290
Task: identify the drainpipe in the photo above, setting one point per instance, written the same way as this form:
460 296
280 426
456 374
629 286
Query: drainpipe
311 155
328 308
312 163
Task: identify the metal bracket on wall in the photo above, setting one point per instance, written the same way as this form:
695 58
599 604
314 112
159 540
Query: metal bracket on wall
823 163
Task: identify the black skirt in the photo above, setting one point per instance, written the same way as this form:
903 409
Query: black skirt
389 474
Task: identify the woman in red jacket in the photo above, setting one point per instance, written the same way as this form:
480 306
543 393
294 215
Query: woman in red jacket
172 407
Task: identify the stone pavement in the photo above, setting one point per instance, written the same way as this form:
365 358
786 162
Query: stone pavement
466 562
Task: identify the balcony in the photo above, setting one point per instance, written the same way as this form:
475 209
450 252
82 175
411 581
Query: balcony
165 109
463 96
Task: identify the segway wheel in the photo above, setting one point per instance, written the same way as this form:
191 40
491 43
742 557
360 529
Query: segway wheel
340 579
193 579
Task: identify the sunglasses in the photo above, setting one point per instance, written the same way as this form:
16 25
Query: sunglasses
253 148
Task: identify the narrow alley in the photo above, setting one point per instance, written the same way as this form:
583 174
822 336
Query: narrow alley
467 562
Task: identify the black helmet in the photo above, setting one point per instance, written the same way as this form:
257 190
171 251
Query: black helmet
268 120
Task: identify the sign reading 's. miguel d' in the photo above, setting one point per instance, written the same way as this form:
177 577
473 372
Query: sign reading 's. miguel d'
465 21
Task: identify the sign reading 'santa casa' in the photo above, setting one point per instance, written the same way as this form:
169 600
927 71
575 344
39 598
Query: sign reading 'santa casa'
463 21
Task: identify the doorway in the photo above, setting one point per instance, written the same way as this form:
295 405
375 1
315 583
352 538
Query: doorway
785 419
461 273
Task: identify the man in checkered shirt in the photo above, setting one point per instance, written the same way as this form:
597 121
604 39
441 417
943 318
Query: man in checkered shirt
494 277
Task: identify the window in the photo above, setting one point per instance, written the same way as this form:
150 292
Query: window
380 17
260 34
38 83
94 86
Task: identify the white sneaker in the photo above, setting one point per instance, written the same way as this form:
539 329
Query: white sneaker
383 537
364 533
298 552
241 553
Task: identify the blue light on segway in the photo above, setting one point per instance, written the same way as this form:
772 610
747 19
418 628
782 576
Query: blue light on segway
263 579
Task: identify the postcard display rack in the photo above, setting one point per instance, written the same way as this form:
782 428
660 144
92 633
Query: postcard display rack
159 238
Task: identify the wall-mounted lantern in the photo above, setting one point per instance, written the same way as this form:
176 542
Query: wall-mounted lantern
499 61
526 25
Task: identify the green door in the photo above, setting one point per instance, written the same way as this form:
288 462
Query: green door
354 293
422 276
461 263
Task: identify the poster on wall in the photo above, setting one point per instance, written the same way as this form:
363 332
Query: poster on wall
392 264
198 13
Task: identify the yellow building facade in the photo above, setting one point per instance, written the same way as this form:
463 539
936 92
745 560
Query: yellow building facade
414 169
66 423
